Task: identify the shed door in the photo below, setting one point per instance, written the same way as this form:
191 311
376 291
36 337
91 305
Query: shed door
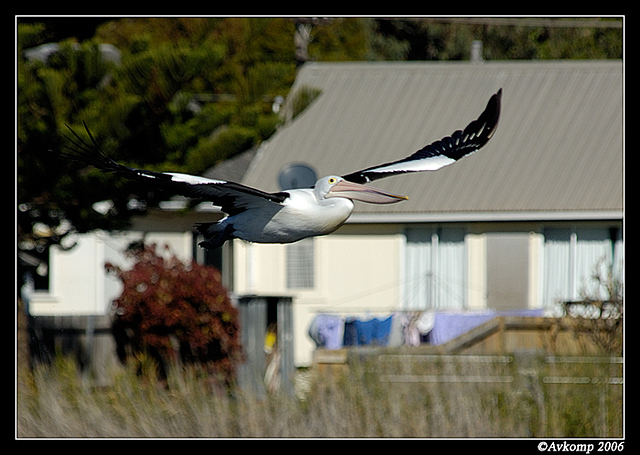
268 362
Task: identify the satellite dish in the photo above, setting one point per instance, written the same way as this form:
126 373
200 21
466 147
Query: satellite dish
297 176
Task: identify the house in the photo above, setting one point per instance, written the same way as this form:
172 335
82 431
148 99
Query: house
522 224
518 225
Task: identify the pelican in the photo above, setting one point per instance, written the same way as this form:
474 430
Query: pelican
288 216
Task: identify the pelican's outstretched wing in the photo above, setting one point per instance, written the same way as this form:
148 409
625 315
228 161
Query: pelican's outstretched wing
232 197
440 153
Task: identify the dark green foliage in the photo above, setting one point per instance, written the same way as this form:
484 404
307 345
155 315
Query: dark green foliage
182 96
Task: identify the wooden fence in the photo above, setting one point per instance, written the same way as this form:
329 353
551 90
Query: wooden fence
539 363
500 335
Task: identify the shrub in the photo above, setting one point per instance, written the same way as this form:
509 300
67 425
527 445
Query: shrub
170 310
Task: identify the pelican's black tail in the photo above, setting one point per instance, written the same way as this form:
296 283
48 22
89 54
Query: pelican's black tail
215 234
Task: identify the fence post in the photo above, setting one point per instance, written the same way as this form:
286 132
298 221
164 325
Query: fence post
528 366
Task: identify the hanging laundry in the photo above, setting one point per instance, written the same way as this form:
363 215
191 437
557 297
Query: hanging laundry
396 334
409 328
383 331
373 331
327 331
416 326
350 337
450 325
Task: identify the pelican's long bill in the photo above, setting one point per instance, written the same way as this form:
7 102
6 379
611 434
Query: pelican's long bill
363 193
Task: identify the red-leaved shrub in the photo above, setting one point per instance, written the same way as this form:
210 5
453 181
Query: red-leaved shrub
173 310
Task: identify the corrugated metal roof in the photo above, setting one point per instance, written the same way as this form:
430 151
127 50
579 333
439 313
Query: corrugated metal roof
558 146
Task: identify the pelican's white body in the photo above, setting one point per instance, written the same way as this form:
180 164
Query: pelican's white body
299 213
299 216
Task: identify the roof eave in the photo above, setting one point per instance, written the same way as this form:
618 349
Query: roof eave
469 217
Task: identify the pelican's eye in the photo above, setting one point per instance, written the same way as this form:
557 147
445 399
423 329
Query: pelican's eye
332 180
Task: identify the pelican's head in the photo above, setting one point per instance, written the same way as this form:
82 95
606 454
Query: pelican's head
334 186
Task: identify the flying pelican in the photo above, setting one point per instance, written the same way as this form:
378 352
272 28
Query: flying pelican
291 215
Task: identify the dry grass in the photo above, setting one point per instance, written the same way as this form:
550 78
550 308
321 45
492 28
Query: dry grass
56 402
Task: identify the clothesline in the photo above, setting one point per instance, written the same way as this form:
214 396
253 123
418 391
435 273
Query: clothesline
330 331
412 328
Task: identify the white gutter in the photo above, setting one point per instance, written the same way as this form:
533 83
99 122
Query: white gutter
452 217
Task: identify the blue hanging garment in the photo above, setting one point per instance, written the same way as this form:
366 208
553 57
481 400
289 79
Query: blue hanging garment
369 332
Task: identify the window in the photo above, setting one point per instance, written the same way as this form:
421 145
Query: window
571 257
435 269
300 264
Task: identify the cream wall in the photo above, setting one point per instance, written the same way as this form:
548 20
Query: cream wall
536 269
357 270
476 271
78 281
